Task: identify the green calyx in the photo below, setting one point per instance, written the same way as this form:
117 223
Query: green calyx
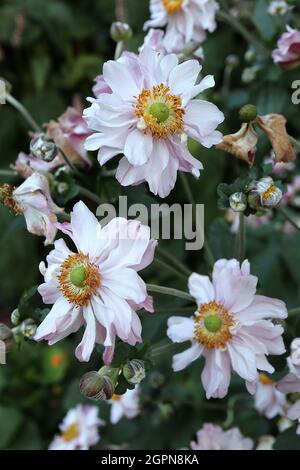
159 111
213 323
78 276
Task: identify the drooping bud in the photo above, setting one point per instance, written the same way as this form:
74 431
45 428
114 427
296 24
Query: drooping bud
15 317
238 202
120 31
134 371
96 387
242 144
43 147
28 328
6 336
248 113
274 125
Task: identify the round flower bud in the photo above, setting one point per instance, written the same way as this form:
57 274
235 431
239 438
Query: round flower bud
96 387
15 317
134 371
248 113
62 187
28 328
249 74
43 147
120 31
232 60
6 336
238 202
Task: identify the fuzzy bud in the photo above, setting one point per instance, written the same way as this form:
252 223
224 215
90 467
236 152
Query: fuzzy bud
248 113
134 371
43 147
96 387
238 202
120 31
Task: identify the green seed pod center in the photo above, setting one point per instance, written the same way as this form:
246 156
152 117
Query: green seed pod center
213 323
159 111
78 276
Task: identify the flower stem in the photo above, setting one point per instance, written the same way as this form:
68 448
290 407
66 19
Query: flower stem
172 259
8 173
295 142
89 195
287 216
68 162
294 311
23 111
238 26
162 349
169 291
189 195
119 49
241 238
170 268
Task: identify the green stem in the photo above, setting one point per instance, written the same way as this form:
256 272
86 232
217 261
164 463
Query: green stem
287 216
173 270
119 49
295 142
162 349
89 195
68 162
294 311
172 259
207 249
238 26
23 111
241 238
8 173
169 291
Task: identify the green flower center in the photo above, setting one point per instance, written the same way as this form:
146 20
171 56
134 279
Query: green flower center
78 276
213 323
159 111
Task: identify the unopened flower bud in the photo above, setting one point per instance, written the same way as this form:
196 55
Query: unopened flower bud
43 147
6 336
96 387
238 202
15 317
120 31
232 60
134 371
248 113
62 188
249 74
250 55
28 328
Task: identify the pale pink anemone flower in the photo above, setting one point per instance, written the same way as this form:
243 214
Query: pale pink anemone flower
212 437
70 132
149 116
269 401
288 52
125 406
33 200
231 327
79 429
291 382
185 20
155 39
97 286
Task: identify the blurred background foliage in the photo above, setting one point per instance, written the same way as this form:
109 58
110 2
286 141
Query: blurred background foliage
50 52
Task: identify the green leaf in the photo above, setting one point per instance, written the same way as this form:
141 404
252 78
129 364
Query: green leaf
10 422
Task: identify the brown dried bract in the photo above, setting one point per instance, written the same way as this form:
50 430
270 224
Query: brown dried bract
242 144
274 125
